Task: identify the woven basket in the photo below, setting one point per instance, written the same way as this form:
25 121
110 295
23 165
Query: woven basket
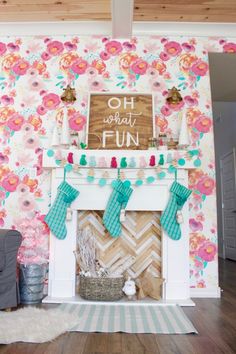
101 289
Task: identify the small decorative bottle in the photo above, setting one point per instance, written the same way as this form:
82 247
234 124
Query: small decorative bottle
162 141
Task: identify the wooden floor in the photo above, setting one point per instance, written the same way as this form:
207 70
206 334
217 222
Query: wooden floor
215 320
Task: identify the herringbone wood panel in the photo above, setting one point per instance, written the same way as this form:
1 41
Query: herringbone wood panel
138 247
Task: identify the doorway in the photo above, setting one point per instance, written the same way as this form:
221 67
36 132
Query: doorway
223 90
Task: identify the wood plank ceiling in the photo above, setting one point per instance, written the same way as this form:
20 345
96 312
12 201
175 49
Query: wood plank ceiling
144 10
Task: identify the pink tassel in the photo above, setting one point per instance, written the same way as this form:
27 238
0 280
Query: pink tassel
70 157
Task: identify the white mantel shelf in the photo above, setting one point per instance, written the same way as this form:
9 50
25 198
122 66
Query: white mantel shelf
148 197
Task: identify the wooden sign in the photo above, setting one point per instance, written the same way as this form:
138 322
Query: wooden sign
120 121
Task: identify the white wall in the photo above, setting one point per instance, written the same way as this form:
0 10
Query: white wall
224 114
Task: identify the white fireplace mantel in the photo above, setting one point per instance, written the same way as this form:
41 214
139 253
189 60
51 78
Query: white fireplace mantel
148 197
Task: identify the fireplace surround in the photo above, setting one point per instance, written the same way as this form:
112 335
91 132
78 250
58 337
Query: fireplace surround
148 197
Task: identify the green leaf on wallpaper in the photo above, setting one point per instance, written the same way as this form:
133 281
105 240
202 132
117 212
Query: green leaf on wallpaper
7 194
203 197
181 78
205 264
12 133
198 78
182 84
137 76
60 77
119 83
58 84
2 78
201 135
120 77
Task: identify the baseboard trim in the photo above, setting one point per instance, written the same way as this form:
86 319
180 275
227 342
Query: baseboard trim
206 292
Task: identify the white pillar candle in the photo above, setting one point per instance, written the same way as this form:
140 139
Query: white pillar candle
65 129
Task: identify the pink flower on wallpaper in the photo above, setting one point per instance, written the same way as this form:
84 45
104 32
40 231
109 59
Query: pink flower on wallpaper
22 188
152 72
51 101
45 56
173 48
201 284
195 225
6 100
188 47
200 68
79 66
203 124
96 84
21 67
35 121
113 47
91 72
55 48
164 56
40 66
159 66
15 122
3 158
35 85
139 67
196 240
27 128
77 121
229 47
31 141
157 85
31 183
10 182
207 251
190 101
3 48
125 60
165 110
129 46
104 55
206 185
186 61
12 47
41 110
27 203
162 123
99 65
70 46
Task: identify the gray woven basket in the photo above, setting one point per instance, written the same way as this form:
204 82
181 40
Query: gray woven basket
101 289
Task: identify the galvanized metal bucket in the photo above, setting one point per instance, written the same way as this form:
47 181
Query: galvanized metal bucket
31 283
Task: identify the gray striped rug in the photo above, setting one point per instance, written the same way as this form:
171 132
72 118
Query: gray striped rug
129 318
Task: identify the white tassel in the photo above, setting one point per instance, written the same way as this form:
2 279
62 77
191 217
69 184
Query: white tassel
65 130
184 134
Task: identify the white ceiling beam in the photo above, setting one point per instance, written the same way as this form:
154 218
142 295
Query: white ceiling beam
122 18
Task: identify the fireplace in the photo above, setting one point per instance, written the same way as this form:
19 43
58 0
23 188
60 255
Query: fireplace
148 197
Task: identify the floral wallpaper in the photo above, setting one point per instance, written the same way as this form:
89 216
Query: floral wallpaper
33 73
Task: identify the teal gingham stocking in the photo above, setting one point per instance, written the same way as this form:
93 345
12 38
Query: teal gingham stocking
56 216
178 197
118 200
